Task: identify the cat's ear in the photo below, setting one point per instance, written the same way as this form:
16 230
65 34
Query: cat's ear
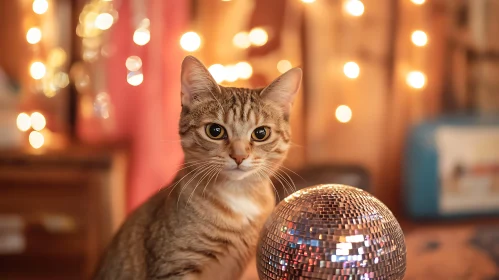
283 90
197 84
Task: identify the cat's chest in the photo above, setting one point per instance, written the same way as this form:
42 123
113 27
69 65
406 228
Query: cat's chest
244 206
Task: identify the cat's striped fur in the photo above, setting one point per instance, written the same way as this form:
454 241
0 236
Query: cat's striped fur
206 225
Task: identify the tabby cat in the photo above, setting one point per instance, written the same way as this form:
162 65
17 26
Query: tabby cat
206 225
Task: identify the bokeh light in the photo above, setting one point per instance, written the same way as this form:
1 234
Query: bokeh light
57 57
135 78
416 79
231 73
419 38
34 35
343 113
40 6
38 121
308 1
36 139
37 70
104 21
241 40
141 36
61 80
218 72
354 7
284 66
190 41
351 70
133 63
244 70
23 122
258 36
418 2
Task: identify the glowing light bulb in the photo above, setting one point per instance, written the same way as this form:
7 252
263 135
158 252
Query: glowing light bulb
419 38
133 63
141 36
283 66
34 35
351 70
418 2
57 57
308 1
23 122
258 36
416 79
218 72
354 7
40 6
241 40
104 21
190 41
36 139
37 70
244 70
231 73
343 114
61 80
38 121
135 78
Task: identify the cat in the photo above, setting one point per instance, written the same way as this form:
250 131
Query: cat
206 225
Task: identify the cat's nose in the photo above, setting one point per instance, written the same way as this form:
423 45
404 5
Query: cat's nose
239 158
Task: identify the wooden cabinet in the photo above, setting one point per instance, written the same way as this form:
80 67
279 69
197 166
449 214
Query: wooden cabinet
58 211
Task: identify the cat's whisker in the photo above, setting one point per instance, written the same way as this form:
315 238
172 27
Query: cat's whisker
282 166
214 173
190 180
176 184
206 173
271 172
280 177
272 184
289 177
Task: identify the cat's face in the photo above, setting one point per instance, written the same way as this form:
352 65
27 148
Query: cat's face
237 132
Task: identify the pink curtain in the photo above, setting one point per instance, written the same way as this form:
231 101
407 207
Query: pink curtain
145 116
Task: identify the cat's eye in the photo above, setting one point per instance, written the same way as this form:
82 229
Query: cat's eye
261 133
215 131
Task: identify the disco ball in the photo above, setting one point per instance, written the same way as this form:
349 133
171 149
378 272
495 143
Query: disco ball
331 232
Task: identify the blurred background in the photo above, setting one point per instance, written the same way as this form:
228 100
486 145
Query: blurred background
400 98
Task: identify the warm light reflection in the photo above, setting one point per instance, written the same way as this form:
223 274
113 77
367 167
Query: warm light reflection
36 139
308 1
34 35
61 80
258 36
343 113
37 70
418 2
241 40
283 66
38 121
416 79
218 72
190 41
133 63
351 70
135 78
141 36
244 70
231 73
354 7
23 122
57 57
419 38
104 21
40 6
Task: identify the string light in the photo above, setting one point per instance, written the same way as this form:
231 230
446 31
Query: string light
343 113
34 35
244 70
418 2
37 70
104 21
40 6
416 79
23 122
135 78
57 57
258 36
354 7
351 70
38 121
241 40
283 66
133 63
419 38
190 41
231 74
141 36
36 139
218 72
